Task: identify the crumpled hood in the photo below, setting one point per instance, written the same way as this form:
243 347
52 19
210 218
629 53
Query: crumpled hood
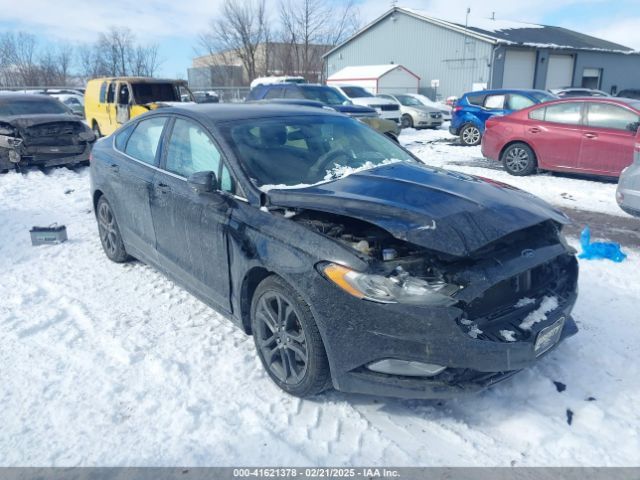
26 121
444 211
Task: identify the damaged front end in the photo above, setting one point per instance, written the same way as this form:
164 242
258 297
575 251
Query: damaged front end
430 324
44 143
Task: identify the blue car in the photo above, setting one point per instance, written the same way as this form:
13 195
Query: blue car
324 94
474 108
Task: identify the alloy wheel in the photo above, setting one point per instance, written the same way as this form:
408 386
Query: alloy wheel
107 228
471 135
281 339
517 159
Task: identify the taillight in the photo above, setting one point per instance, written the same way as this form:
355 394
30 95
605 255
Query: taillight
457 108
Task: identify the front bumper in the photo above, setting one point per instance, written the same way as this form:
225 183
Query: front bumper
357 333
44 156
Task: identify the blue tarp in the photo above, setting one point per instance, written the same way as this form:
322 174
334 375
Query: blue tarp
599 250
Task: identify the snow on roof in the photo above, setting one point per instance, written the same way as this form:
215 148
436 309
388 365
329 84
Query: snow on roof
363 72
486 24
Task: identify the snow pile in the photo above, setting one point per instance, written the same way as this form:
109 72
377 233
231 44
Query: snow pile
548 304
523 302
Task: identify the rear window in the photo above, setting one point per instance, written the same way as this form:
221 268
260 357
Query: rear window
31 106
543 96
326 95
477 100
155 92
355 92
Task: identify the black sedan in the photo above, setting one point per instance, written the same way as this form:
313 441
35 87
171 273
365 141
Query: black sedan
351 263
39 130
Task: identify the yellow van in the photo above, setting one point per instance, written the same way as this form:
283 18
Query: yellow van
110 102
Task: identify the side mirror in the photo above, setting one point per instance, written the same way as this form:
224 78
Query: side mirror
633 127
202 182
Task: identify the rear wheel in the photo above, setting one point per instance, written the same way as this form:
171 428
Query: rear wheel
406 121
519 160
470 135
110 233
287 339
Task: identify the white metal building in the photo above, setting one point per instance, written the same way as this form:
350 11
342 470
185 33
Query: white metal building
387 78
493 53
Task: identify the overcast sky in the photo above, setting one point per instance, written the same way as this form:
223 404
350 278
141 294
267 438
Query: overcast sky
176 24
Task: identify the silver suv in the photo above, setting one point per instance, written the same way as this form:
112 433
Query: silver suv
628 192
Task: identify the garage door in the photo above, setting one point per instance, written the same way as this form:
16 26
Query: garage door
519 68
560 71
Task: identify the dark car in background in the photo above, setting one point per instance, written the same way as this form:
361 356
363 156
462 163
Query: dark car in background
351 263
594 136
330 98
39 130
474 108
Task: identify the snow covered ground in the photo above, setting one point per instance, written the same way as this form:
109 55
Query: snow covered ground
105 364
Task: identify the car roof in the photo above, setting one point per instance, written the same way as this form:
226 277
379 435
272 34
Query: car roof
29 97
507 90
229 112
619 100
137 80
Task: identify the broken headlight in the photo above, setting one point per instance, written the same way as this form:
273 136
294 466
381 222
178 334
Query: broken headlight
399 287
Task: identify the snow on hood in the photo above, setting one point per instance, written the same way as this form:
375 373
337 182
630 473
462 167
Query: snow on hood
338 171
440 210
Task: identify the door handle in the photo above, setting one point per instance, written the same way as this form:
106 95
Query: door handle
591 135
114 168
535 130
163 188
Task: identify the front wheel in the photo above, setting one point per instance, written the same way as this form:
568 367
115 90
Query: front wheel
470 135
287 339
110 233
406 121
519 160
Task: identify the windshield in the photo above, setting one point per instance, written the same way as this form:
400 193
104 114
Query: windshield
155 92
355 92
326 95
543 96
409 101
31 107
305 150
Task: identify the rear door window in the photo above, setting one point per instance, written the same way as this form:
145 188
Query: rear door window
143 142
494 102
518 102
605 115
566 113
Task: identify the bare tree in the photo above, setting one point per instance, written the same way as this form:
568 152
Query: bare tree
239 32
309 28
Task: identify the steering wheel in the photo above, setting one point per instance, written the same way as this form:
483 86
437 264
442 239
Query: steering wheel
324 160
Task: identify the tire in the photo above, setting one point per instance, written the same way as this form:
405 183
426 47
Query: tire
96 129
518 159
110 237
406 121
470 135
285 333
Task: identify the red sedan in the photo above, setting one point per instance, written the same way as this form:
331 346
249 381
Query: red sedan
581 135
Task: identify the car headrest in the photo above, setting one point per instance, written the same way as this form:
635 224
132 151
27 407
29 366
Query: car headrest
273 135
